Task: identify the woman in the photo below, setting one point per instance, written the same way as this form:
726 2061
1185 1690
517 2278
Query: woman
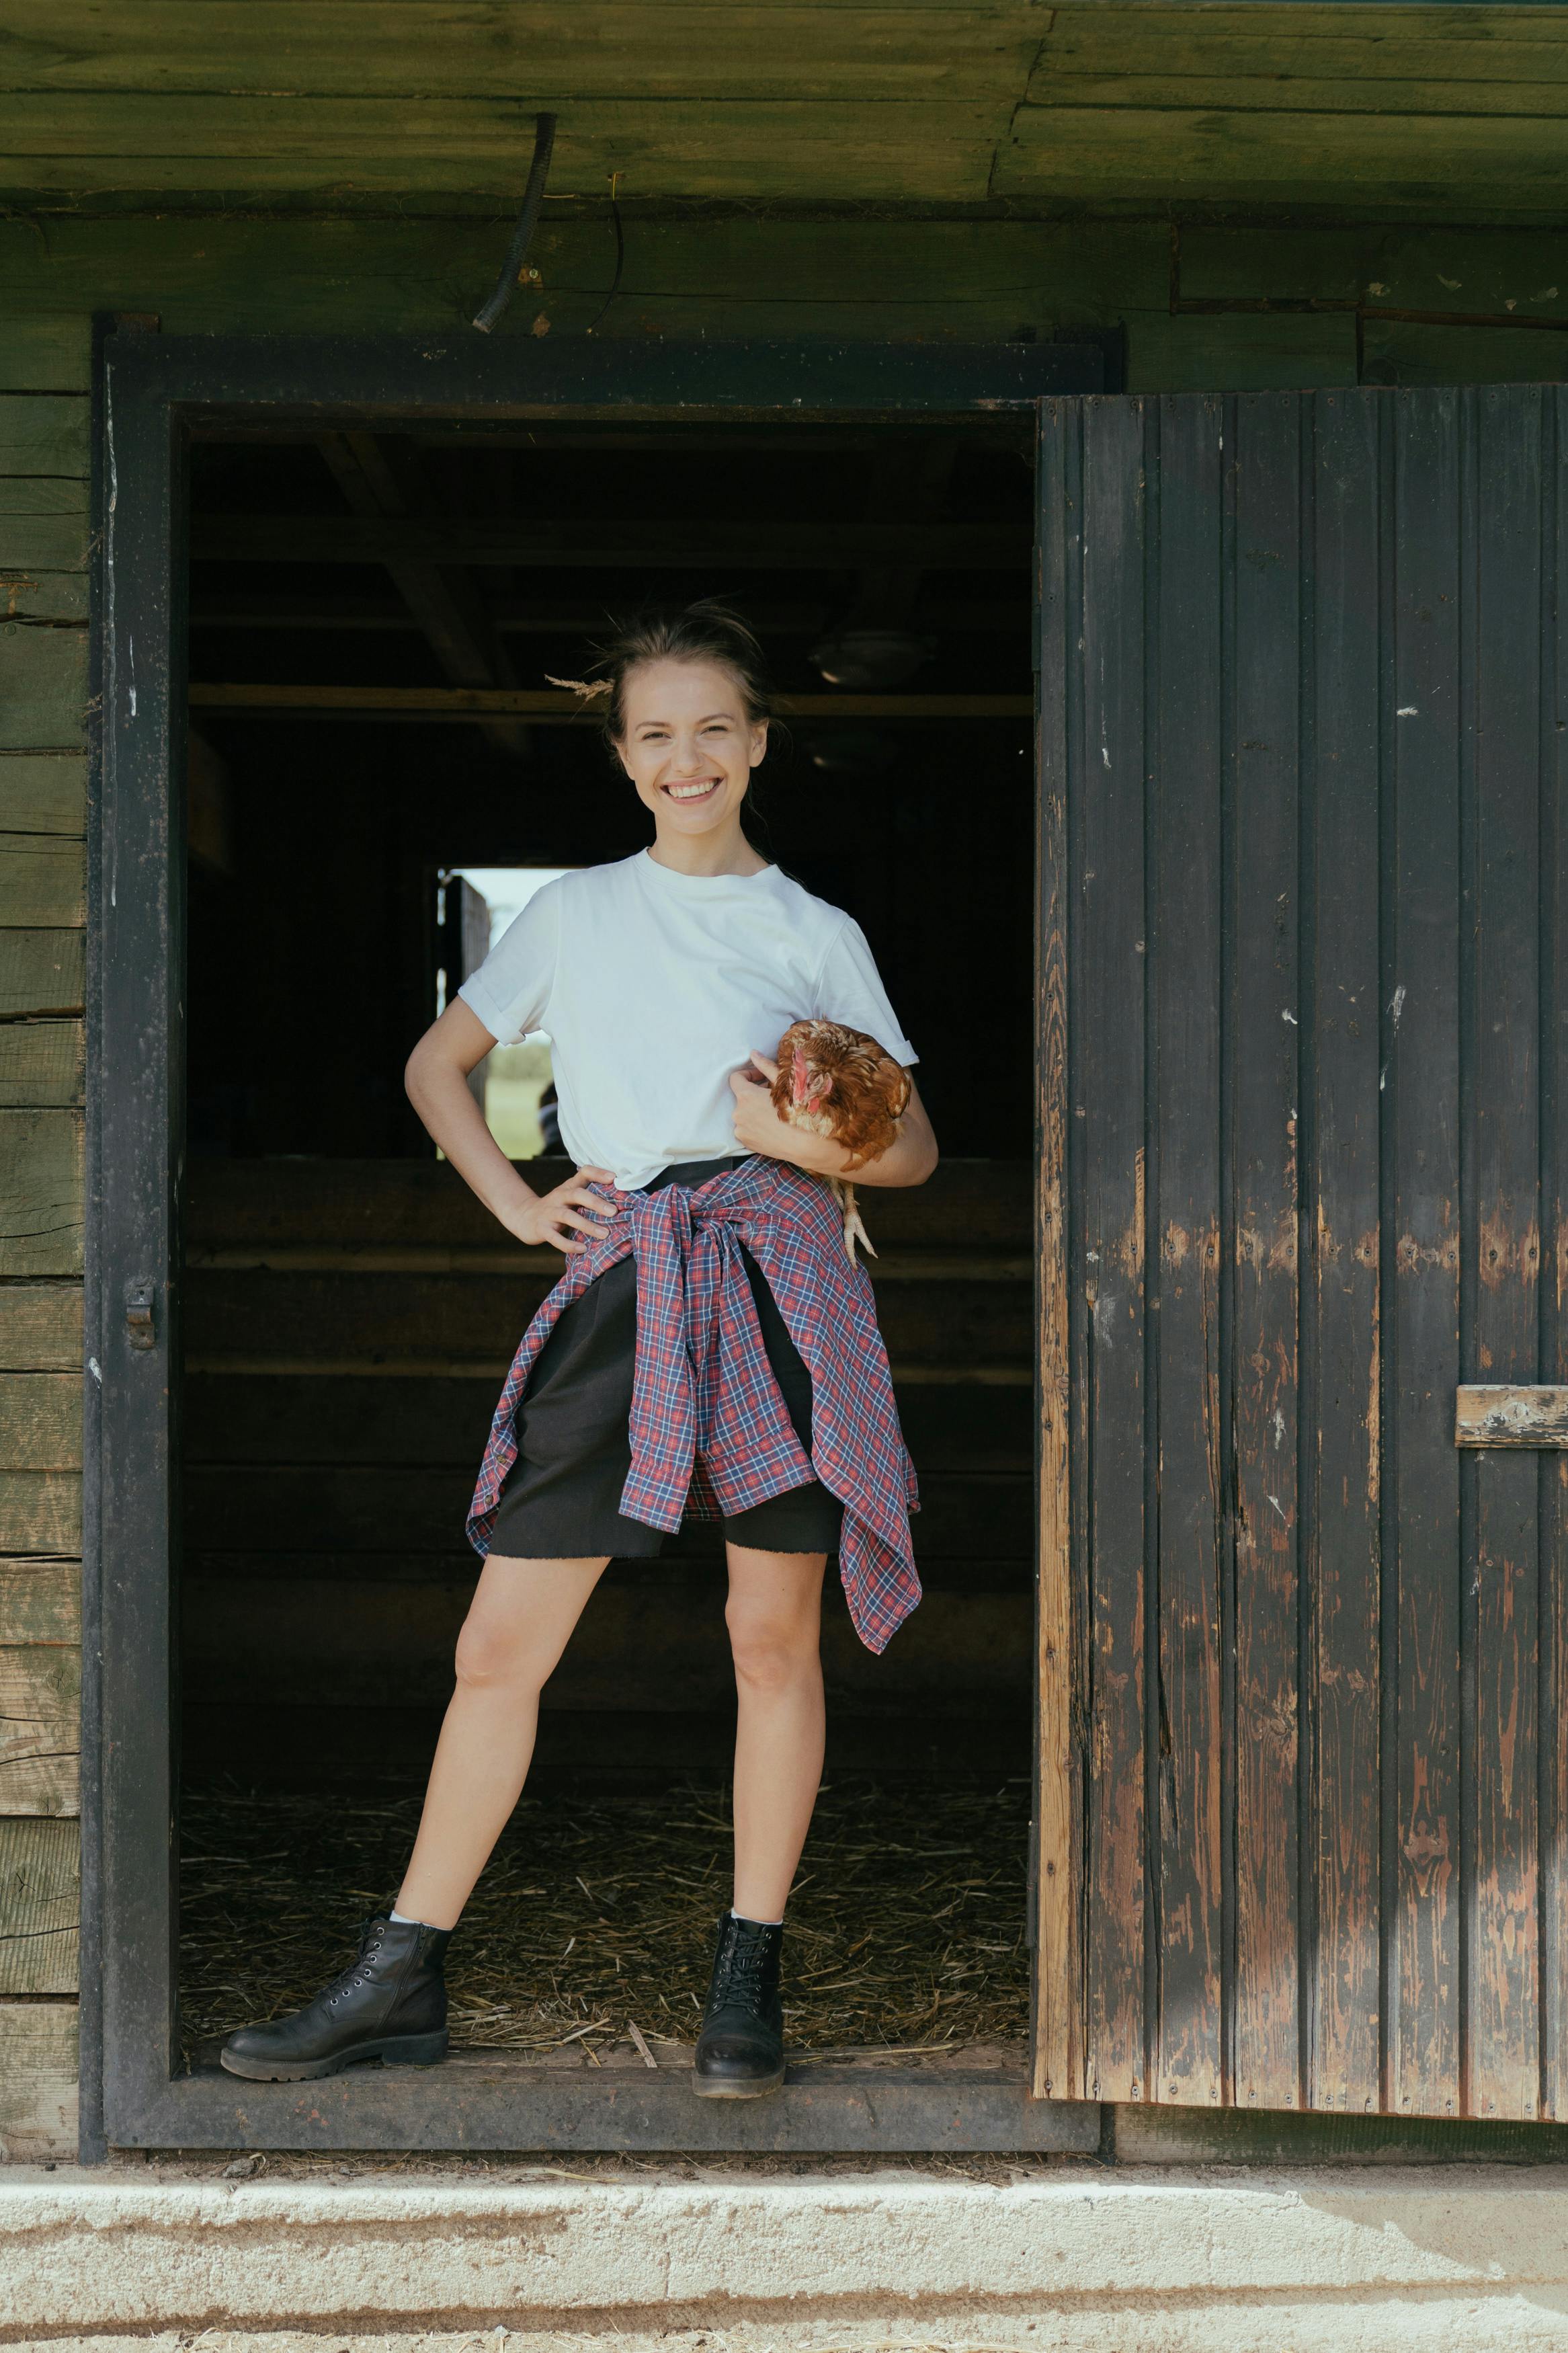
710 1346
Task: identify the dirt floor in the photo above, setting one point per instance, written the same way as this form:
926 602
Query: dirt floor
906 1929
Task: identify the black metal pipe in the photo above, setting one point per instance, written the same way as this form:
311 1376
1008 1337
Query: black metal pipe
527 222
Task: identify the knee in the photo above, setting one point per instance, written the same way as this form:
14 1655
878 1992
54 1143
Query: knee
772 1652
490 1656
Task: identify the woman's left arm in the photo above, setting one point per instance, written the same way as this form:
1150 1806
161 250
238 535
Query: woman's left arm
909 1159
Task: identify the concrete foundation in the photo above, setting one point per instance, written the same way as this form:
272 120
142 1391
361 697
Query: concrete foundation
1066 2256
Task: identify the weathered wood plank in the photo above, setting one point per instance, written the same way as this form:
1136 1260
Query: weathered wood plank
1452 270
1302 96
41 1064
40 1422
1264 1015
46 355
41 1199
1352 43
43 688
43 881
1112 759
40 1904
1059 1973
896 148
1396 352
40 1719
678 52
40 1511
1553 1295
43 793
40 1601
1503 1230
1341 1472
44 433
38 2081
1421 1056
40 1327
1511 1413
1488 163
41 972
44 597
1185 946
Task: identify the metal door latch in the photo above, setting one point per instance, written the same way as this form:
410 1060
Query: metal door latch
139 1298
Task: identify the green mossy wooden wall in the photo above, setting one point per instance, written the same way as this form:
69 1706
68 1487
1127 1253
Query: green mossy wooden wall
1495 309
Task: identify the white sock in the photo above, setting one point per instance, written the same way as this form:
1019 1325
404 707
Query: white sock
737 1916
405 1920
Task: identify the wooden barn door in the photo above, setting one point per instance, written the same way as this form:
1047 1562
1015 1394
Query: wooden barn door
1304 1106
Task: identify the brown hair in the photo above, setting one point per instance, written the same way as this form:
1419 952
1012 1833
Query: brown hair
709 630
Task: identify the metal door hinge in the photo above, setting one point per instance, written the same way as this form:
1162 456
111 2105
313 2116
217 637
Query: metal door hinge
138 1321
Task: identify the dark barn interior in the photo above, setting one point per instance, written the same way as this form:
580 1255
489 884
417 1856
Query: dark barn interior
350 1310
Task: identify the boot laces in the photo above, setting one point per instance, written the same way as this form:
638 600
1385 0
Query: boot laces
359 1971
739 1975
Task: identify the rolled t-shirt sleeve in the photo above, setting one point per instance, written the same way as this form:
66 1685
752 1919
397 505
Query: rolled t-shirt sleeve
849 990
510 992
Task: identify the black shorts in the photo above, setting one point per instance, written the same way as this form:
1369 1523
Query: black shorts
560 1499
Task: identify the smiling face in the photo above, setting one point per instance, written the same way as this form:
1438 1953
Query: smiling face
689 746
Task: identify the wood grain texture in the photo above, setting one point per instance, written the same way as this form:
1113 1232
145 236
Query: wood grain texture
40 1201
439 48
44 433
1109 918
42 1064
40 1511
1185 948
1058 1964
42 882
1511 1413
40 1702
43 687
41 972
929 149
1552 1766
40 1601
40 1890
1341 1474
1503 1225
40 1422
46 355
43 793
1421 1048
40 1327
38 2081
1264 1023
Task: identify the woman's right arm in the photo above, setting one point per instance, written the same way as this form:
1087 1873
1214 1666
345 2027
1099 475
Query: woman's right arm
436 1079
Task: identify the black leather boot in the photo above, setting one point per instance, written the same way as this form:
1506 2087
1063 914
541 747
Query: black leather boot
391 2005
740 2049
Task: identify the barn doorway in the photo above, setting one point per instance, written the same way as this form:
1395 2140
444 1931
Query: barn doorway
349 1310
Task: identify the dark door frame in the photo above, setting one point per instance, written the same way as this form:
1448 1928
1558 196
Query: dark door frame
150 392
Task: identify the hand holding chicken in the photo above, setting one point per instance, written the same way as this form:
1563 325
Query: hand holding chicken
835 1083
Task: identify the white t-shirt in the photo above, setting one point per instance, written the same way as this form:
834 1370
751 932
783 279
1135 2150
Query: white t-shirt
654 986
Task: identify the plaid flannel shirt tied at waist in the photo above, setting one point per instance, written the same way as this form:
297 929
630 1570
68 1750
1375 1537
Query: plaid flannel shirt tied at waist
709 1431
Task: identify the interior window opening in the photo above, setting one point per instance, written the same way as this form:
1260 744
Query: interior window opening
514 1085
350 1309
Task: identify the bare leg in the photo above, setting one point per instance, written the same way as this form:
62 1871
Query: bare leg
774 1617
518 1623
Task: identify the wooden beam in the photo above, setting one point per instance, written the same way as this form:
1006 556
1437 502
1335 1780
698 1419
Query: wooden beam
560 618
445 603
426 703
766 545
1505 1413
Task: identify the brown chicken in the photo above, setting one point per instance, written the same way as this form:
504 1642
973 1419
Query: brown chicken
838 1082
